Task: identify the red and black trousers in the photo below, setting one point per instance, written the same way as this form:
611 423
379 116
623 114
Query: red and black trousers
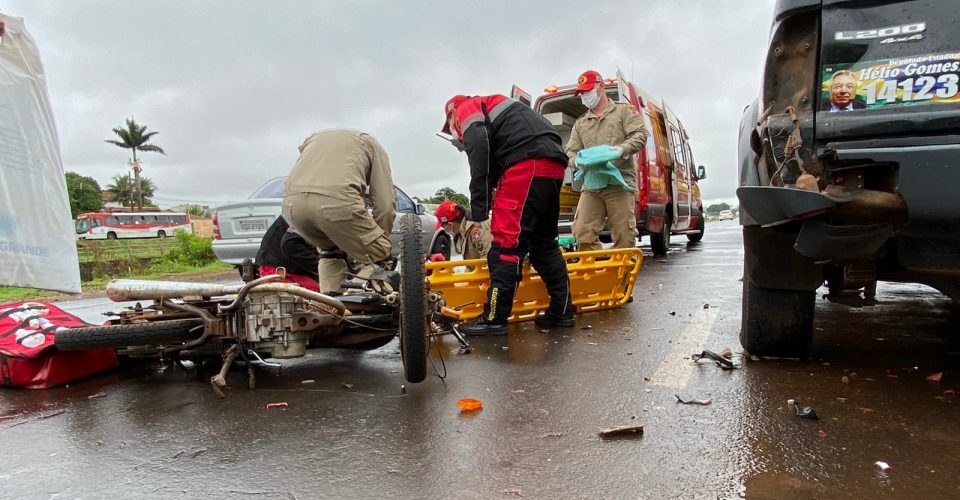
526 207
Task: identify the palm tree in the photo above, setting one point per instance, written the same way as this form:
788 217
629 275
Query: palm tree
135 138
124 191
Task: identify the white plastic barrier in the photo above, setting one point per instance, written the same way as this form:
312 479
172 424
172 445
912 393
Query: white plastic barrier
37 238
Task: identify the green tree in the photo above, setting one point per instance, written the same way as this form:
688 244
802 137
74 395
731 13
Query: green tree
717 208
447 193
198 211
135 138
84 193
125 192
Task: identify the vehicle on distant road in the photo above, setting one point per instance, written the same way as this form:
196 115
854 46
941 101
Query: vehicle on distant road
239 227
112 226
725 215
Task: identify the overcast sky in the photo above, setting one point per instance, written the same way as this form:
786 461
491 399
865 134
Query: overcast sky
234 87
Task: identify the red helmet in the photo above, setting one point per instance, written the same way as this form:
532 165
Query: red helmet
448 211
587 81
448 108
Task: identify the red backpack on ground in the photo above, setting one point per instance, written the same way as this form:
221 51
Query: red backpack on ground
28 358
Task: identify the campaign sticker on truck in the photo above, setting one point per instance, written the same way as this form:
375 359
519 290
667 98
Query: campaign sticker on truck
907 81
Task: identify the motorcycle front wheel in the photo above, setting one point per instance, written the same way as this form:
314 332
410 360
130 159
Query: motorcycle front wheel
413 300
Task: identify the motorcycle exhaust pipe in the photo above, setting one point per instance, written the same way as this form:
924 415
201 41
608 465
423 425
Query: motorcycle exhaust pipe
122 290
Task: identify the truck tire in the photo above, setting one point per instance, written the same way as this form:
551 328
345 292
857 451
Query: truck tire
413 303
696 237
776 322
154 333
660 242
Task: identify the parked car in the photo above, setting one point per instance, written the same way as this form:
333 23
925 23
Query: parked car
725 215
668 200
848 162
239 226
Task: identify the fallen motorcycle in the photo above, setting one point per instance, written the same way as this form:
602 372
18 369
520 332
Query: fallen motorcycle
266 318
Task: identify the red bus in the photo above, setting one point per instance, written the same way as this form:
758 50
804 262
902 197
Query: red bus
110 226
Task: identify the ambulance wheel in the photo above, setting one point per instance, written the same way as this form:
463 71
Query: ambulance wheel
660 242
413 303
696 237
154 333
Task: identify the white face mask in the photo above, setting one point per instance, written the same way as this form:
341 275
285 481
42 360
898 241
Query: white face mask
590 99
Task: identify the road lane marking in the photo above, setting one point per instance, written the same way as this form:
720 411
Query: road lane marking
675 371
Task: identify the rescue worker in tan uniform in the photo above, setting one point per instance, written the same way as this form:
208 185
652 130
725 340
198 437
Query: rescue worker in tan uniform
323 199
470 239
616 124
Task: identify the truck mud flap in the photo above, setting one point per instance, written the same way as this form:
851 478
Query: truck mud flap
822 242
773 205
599 280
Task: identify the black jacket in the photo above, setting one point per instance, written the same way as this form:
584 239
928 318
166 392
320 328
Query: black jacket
284 247
517 133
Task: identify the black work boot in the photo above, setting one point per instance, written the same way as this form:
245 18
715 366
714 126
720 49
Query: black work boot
547 319
483 327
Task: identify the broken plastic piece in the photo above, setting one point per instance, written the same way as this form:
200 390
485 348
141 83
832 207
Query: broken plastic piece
722 362
936 377
883 466
803 411
470 404
277 405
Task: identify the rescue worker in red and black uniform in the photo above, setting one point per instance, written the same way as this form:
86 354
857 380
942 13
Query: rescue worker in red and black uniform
517 163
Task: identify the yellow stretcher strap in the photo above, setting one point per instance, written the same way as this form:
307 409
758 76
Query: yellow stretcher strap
599 280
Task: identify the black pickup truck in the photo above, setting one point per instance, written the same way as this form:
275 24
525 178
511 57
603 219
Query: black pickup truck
849 162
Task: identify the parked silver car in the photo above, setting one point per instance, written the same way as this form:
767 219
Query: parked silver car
239 226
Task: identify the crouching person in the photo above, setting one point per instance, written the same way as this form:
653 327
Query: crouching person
323 199
470 239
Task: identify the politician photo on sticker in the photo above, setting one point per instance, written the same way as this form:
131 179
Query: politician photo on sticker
843 93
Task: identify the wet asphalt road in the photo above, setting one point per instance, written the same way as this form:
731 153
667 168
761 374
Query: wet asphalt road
165 435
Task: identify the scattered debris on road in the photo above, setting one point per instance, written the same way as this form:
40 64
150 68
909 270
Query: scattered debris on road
403 389
551 435
514 492
277 405
721 361
469 405
822 434
702 402
935 378
622 430
308 381
706 306
845 379
348 386
883 466
587 327
592 343
97 395
803 411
